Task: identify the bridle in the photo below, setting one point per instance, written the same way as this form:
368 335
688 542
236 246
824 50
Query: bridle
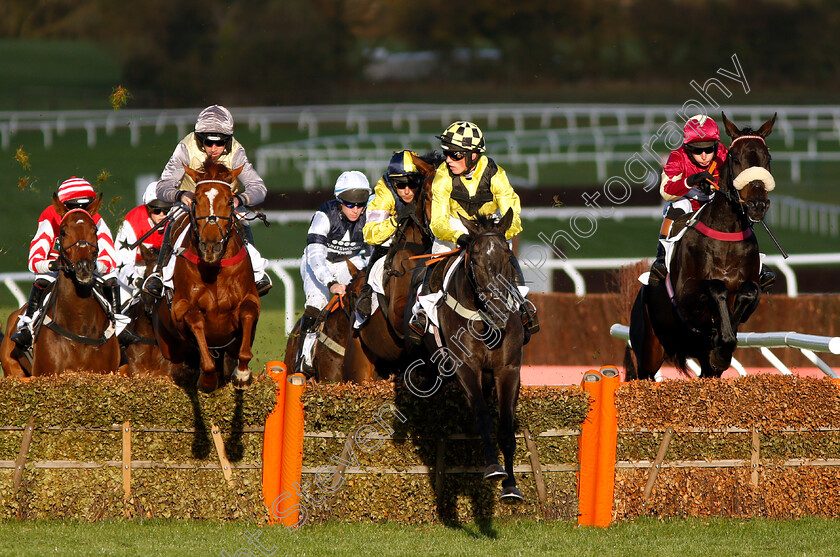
198 227
730 192
483 293
66 263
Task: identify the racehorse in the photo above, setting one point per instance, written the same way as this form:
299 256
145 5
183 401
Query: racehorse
334 342
382 336
712 284
143 356
74 331
484 335
211 314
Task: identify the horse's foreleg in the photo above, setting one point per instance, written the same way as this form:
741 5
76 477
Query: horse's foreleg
208 381
724 346
249 312
746 301
470 380
507 388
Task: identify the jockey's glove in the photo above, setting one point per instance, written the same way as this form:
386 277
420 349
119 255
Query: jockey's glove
101 268
407 211
464 240
699 178
182 196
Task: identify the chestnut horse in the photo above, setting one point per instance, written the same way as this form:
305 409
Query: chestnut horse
74 332
712 284
211 314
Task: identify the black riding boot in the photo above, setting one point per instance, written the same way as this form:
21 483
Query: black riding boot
307 325
364 302
418 324
527 310
23 336
153 286
766 279
658 271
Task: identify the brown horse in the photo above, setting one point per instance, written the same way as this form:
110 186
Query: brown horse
712 285
143 356
210 318
483 335
74 332
382 336
333 357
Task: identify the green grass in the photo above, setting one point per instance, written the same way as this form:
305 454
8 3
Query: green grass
641 537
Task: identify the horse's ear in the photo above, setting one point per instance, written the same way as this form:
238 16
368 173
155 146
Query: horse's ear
93 208
731 129
192 173
506 221
60 207
235 172
425 168
472 228
767 126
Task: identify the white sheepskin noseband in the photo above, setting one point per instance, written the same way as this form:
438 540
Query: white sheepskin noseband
752 174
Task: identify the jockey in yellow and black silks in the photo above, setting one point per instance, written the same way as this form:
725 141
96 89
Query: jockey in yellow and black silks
468 183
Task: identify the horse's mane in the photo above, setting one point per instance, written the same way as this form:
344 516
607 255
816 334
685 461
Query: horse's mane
487 223
209 165
748 131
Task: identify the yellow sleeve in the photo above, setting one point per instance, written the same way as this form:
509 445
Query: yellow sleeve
505 199
380 223
441 202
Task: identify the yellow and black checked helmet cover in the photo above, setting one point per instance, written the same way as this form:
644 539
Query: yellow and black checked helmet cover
462 136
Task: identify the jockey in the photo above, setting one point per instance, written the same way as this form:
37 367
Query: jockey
75 193
213 137
468 184
688 181
394 200
334 238
139 221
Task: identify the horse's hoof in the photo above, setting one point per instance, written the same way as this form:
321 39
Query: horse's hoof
207 382
511 494
242 379
494 472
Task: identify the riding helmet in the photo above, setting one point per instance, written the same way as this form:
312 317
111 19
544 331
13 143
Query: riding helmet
701 131
76 192
353 187
462 136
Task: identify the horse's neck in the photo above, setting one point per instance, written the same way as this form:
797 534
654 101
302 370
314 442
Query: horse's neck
70 300
723 215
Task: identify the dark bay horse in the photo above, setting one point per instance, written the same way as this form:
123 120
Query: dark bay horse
712 285
382 336
335 341
214 307
144 357
74 332
483 335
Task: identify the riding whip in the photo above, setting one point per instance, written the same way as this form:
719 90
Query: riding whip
775 241
173 214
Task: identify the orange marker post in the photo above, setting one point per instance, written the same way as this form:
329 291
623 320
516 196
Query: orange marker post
607 438
288 508
588 449
273 439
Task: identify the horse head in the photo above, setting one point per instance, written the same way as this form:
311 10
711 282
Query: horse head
747 167
427 165
77 245
489 262
212 211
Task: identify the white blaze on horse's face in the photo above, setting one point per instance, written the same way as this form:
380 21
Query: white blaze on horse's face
211 196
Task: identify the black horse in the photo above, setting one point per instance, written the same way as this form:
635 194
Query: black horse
483 334
712 285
